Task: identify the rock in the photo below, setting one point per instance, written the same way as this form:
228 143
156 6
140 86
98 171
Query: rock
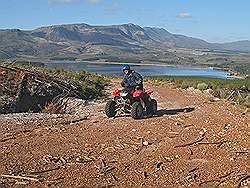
216 99
204 130
94 121
208 92
145 143
227 126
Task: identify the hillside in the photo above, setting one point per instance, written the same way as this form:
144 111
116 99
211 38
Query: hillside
14 42
77 39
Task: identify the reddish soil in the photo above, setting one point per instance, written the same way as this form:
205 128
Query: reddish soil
191 142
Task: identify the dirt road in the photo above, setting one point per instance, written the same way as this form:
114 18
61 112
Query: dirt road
191 142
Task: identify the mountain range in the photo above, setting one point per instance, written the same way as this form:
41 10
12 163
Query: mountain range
75 39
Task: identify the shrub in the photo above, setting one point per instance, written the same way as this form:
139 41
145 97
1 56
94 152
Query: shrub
247 101
222 88
202 86
239 99
50 108
184 85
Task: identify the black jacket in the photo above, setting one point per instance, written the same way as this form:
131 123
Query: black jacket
132 80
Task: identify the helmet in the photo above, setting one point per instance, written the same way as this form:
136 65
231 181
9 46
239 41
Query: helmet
125 67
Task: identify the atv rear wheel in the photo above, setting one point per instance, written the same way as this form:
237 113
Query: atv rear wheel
110 109
153 106
136 110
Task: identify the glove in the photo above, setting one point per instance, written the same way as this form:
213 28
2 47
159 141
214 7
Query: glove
138 81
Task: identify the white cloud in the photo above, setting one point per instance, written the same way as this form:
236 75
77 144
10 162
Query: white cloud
61 1
184 15
72 1
94 1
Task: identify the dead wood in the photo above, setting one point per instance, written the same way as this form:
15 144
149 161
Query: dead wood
43 171
8 138
75 120
191 143
218 179
219 143
32 90
241 180
20 177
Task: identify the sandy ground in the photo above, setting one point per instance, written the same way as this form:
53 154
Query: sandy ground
191 142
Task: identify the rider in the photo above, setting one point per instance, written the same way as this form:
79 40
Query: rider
131 80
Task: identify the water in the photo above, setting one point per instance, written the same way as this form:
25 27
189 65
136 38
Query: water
145 70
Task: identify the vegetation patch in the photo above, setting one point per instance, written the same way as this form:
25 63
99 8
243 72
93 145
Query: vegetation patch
235 90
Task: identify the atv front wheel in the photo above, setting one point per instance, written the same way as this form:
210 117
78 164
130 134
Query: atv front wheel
136 110
110 109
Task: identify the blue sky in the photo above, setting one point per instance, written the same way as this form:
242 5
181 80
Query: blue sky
212 20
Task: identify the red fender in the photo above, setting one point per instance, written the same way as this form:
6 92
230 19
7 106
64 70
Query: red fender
137 93
116 93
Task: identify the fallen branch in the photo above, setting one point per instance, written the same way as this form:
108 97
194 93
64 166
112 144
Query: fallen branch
20 177
113 176
241 180
219 142
43 171
13 136
75 120
107 170
192 170
55 181
85 160
218 179
8 138
230 95
221 182
240 152
191 143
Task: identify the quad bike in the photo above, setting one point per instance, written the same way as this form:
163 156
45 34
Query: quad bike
136 102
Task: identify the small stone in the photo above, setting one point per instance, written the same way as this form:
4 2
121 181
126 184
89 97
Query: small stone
227 126
145 143
204 130
168 158
133 130
216 99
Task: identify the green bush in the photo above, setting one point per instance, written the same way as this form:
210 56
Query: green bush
247 101
222 88
184 85
202 86
239 99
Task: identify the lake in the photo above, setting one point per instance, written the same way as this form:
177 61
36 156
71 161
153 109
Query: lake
145 70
